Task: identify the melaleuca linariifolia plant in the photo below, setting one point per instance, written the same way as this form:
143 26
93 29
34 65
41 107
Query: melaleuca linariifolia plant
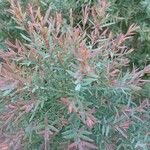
138 12
7 24
68 86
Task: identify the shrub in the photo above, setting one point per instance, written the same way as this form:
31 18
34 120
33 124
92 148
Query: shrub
121 13
8 29
68 85
138 12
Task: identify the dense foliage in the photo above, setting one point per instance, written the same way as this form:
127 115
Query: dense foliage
122 15
66 80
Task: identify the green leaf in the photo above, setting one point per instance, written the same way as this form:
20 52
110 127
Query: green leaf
103 130
43 54
40 127
107 130
7 92
70 136
67 132
25 37
27 62
20 28
70 73
122 133
42 104
42 2
107 24
83 137
53 128
34 111
88 81
86 132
